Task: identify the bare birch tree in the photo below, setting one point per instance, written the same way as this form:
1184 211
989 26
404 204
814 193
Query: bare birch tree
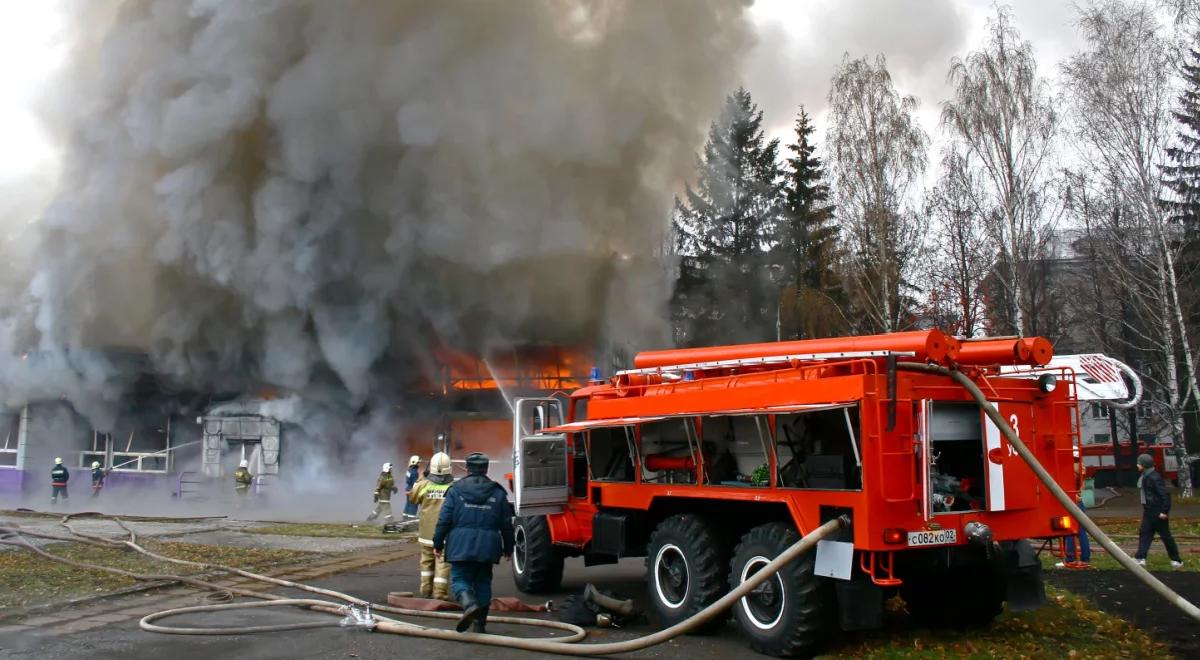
1003 115
1120 94
876 153
959 252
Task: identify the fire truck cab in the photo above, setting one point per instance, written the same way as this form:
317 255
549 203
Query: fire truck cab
711 462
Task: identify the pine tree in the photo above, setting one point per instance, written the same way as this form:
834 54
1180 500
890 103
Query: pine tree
812 299
724 228
1182 177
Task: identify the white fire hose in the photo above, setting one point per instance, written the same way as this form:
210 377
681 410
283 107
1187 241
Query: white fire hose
560 647
1113 549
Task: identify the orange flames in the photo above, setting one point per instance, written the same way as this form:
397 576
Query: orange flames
527 368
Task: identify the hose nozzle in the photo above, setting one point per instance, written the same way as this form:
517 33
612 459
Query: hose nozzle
593 595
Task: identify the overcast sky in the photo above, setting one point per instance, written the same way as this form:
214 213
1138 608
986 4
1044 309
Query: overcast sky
801 43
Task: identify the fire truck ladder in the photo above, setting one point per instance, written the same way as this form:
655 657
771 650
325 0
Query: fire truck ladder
675 369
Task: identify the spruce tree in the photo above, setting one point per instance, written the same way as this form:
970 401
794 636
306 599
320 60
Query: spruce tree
724 228
811 300
1182 176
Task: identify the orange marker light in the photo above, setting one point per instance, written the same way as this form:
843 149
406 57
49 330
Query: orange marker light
1063 523
894 535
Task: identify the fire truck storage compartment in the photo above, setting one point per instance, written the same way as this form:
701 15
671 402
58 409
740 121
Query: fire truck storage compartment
956 471
611 453
819 449
668 439
735 448
618 534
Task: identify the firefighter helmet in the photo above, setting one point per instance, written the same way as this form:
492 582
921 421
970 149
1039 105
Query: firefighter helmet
95 464
244 463
58 461
477 463
387 467
439 464
415 460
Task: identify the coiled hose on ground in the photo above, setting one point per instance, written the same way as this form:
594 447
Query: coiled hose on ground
1113 549
358 612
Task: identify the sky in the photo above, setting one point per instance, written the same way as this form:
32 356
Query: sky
799 45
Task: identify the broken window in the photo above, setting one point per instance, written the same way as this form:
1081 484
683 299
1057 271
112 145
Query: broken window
819 449
137 446
10 426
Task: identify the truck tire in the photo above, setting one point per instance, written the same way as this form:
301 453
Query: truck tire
537 566
965 597
788 614
685 569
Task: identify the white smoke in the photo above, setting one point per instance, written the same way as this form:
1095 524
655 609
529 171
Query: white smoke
301 193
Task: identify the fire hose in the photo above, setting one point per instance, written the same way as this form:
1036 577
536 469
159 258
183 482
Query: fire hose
1069 504
358 612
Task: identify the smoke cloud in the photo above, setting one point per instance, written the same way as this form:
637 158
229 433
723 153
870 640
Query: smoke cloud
301 194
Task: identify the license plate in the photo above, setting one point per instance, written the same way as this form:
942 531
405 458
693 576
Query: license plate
940 537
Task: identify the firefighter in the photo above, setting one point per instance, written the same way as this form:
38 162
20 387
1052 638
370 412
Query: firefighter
410 480
98 475
473 530
385 487
59 476
428 494
241 481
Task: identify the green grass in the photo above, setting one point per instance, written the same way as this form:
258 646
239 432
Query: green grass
350 531
1124 532
29 579
1068 626
1129 526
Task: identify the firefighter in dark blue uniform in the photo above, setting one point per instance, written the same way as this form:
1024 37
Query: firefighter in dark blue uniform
59 477
474 530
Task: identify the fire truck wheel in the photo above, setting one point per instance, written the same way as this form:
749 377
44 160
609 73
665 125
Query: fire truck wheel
976 597
537 565
786 615
685 569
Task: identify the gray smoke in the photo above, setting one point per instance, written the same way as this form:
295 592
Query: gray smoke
301 194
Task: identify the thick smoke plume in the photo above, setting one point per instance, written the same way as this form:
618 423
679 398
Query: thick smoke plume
301 194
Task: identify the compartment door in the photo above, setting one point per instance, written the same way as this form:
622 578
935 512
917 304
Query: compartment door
1011 483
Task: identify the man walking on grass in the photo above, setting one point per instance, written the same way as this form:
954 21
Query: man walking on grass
1156 505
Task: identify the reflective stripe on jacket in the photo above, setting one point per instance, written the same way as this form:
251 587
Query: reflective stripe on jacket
242 478
384 487
430 495
59 476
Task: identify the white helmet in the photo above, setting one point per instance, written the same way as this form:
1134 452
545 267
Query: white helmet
439 464
415 460
95 464
58 461
244 463
387 467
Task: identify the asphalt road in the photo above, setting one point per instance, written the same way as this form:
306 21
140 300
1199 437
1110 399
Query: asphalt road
124 640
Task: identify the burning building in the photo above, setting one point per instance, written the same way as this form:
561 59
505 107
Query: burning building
316 198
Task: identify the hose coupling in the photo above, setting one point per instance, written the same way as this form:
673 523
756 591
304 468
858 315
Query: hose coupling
978 533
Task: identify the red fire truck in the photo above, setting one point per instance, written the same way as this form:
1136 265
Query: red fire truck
710 462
